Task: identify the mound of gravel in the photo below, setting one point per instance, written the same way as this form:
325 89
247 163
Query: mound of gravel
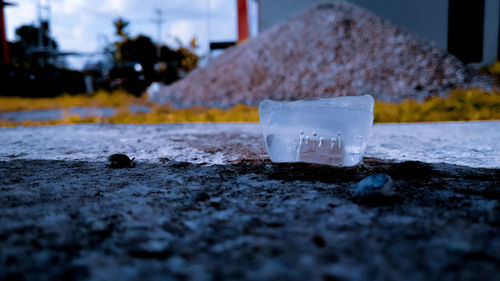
329 50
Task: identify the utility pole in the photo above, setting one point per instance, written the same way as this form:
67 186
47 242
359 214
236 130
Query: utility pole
209 29
43 23
159 23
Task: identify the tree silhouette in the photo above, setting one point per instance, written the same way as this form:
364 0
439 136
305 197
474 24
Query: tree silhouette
27 35
139 61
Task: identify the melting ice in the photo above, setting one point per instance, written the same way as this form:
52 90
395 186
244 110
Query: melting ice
332 131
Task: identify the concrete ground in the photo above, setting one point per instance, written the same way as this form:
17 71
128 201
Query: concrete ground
204 203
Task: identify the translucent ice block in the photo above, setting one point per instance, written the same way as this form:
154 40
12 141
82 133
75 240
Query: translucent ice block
332 131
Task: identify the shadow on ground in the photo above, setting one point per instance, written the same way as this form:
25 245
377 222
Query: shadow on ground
250 220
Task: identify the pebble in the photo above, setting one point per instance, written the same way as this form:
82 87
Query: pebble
374 184
117 161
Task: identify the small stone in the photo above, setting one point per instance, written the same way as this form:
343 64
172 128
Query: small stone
163 160
202 196
117 161
373 185
319 241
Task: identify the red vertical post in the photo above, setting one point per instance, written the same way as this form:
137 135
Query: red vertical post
243 26
5 59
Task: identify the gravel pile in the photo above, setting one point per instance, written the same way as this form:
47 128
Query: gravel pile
331 49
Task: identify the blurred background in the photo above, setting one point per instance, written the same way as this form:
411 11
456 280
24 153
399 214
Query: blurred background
51 48
84 45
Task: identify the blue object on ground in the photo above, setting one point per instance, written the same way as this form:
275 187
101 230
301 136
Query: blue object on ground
374 184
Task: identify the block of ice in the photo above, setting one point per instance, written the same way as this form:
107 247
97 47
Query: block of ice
332 131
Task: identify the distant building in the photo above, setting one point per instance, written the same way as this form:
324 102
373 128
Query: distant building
469 29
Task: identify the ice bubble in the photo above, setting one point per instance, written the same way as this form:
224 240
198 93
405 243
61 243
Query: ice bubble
332 131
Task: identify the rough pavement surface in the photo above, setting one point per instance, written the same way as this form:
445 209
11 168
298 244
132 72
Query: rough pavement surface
329 50
242 219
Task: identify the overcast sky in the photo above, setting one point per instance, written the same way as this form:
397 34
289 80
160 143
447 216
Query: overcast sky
86 25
